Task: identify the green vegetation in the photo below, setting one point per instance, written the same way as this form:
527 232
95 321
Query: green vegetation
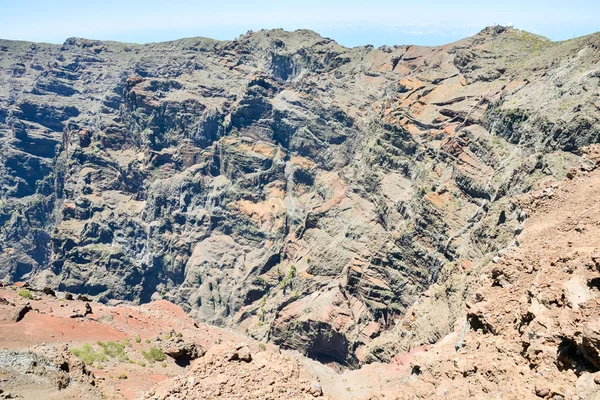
260 281
261 316
122 376
291 274
25 293
164 364
114 350
88 355
138 339
154 355
148 340
108 350
262 346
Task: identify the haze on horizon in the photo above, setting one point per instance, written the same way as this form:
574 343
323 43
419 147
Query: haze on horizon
350 22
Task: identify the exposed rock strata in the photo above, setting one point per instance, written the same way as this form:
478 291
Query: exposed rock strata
281 184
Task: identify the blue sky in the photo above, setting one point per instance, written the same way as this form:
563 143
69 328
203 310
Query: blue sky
349 22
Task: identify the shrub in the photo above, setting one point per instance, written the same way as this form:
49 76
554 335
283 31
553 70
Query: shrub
154 355
122 376
25 293
138 339
262 346
88 355
163 364
291 274
114 350
148 340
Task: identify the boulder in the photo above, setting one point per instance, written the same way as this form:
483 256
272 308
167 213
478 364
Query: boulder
181 349
315 389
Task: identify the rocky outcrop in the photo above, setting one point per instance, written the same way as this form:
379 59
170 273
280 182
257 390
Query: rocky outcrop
281 184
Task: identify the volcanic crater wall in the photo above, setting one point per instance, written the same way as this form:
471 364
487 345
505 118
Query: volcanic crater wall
281 184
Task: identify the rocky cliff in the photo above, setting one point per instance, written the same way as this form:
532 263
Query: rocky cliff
283 185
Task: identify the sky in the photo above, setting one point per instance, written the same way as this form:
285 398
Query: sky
349 22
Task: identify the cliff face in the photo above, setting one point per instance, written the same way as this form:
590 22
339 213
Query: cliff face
281 184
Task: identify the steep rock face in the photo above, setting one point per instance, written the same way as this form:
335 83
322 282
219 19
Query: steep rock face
282 184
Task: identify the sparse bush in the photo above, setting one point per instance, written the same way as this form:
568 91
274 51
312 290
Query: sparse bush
262 346
114 350
291 274
148 340
88 355
25 293
138 339
154 355
163 364
122 376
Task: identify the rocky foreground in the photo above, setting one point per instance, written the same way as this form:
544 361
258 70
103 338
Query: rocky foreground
529 330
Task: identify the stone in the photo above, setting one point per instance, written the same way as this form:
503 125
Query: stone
180 349
315 389
244 354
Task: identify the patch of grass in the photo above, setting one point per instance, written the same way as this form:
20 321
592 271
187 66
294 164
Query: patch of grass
154 355
141 363
88 355
262 346
127 342
25 293
114 350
